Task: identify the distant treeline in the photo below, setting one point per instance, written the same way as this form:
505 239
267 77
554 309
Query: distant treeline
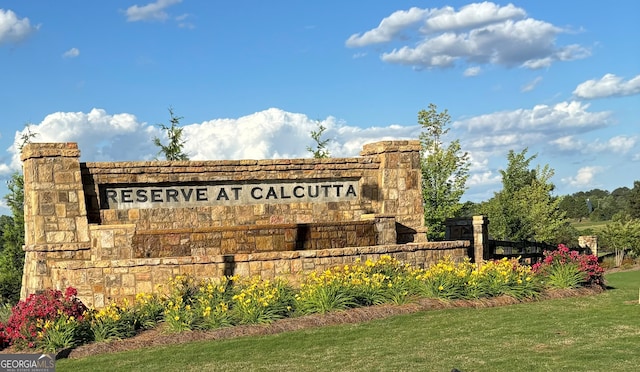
602 205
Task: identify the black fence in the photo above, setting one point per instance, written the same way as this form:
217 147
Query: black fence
527 252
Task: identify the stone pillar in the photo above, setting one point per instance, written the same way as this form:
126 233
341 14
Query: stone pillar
480 239
400 185
589 242
55 214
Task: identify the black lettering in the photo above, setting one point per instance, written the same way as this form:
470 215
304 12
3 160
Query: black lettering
351 191
236 192
222 194
141 196
172 194
253 192
186 195
156 195
311 193
125 196
296 189
271 193
326 190
338 187
201 194
283 195
112 195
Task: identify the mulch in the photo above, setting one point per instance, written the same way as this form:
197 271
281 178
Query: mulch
159 337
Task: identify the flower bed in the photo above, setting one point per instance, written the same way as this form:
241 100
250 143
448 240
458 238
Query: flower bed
52 321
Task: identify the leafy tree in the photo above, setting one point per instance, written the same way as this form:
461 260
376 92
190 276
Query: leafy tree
620 235
12 240
633 199
574 206
525 209
173 149
320 151
12 233
445 170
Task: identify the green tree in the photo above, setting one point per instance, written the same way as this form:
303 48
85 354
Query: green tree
633 200
575 206
173 149
320 151
620 235
12 233
525 208
445 169
12 240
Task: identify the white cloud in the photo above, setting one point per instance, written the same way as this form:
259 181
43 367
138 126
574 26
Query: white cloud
71 53
150 12
183 23
617 144
484 179
584 178
614 145
14 29
470 16
524 127
479 33
102 137
271 133
609 85
568 143
531 85
472 71
388 28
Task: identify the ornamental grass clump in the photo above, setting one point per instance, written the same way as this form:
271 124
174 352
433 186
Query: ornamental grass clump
113 322
445 280
180 305
564 268
385 280
324 292
504 277
147 310
258 301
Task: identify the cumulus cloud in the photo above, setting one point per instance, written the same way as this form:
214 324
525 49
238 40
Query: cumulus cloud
14 29
267 134
585 177
71 53
614 145
568 143
102 136
617 145
479 33
609 85
150 12
389 28
523 127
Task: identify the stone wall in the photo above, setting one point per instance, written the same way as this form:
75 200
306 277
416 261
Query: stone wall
115 228
101 281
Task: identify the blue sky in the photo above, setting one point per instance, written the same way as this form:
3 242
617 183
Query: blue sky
252 78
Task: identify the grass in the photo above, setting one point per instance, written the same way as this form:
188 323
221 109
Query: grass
590 225
593 333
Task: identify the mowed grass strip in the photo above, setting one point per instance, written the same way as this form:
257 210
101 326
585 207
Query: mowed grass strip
591 333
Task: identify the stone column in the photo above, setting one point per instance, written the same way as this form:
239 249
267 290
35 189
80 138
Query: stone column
480 239
589 242
55 214
400 185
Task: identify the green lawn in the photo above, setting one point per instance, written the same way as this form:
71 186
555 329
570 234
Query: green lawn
590 225
593 333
